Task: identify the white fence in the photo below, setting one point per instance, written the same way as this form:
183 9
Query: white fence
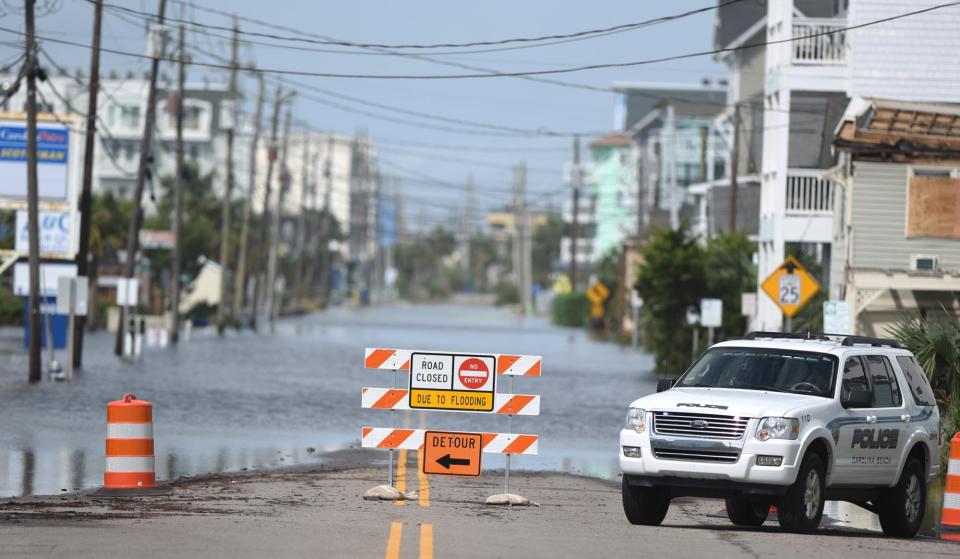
808 195
819 41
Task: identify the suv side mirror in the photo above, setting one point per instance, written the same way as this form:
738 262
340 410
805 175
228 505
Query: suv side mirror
666 384
856 398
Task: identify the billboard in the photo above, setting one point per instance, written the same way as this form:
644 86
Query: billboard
55 233
53 141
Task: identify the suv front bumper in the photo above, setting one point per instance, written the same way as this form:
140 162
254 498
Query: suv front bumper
743 471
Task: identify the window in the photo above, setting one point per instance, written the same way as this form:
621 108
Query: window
886 393
797 372
933 197
127 116
854 378
917 380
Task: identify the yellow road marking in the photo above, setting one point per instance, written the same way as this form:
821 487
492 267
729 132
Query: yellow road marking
393 540
426 541
401 475
424 481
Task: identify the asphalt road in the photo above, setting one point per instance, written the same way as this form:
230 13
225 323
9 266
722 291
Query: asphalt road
320 513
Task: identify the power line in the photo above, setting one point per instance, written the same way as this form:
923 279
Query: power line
542 72
330 41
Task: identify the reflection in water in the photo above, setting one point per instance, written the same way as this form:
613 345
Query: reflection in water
29 469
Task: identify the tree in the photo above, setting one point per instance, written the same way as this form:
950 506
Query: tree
546 249
670 280
730 271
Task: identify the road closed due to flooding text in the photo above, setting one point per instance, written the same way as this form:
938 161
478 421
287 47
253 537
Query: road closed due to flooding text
446 381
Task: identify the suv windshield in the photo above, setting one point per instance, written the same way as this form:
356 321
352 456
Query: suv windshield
777 370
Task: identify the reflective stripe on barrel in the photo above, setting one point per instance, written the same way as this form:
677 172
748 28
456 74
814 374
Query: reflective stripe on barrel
130 460
950 518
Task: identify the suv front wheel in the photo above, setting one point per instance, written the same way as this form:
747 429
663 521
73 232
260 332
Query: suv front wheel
903 506
800 509
644 505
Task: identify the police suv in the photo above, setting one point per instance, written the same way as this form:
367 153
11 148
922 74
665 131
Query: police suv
788 420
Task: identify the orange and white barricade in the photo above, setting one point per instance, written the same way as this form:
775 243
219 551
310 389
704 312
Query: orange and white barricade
950 518
399 360
412 439
130 456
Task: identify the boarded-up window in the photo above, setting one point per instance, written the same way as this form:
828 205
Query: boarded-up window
934 207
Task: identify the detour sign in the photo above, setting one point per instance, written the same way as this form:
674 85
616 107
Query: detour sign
452 454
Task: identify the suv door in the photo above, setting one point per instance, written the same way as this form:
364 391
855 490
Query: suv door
884 442
850 467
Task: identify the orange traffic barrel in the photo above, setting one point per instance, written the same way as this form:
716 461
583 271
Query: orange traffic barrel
950 518
130 462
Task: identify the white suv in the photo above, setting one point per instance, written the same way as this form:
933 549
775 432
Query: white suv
788 420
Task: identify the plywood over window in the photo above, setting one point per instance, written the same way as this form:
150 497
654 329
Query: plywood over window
934 207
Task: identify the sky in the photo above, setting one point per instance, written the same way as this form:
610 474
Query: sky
499 101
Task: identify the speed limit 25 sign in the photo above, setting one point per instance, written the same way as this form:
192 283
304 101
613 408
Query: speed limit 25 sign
790 286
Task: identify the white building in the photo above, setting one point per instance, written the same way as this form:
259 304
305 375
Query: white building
810 68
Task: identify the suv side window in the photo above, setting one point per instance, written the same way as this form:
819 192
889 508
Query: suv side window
854 377
917 380
886 393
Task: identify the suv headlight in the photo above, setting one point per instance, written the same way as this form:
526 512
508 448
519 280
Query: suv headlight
636 420
778 428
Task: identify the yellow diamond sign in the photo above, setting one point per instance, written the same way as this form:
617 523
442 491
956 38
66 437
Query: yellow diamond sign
790 286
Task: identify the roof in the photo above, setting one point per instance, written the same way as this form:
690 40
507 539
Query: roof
616 139
640 99
890 130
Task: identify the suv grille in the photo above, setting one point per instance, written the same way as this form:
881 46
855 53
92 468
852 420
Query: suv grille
697 455
699 425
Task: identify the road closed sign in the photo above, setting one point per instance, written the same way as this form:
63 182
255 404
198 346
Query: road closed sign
452 381
452 454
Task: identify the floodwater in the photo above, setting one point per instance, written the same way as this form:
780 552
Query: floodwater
249 401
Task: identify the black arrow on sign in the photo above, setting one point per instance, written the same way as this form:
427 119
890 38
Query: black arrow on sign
446 461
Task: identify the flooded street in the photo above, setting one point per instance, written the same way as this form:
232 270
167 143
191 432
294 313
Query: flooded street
259 401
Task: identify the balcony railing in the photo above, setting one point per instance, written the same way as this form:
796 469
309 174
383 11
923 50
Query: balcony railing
819 41
808 195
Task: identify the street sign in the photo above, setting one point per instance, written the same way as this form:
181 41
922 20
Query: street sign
836 317
451 381
748 304
452 454
711 313
78 292
597 294
790 286
128 290
55 233
50 274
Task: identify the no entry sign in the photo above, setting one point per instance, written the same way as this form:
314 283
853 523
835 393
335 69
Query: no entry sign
452 381
452 454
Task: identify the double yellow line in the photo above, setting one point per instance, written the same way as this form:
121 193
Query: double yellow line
396 535
396 528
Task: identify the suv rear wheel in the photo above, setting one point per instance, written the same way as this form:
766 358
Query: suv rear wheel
802 506
903 506
744 512
644 505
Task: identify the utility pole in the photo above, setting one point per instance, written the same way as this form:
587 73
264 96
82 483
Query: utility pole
178 201
325 222
240 287
526 295
468 220
674 195
228 190
83 255
301 239
33 212
575 177
265 217
144 166
734 165
272 295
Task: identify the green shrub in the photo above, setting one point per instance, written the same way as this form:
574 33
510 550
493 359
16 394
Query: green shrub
570 309
11 307
507 293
